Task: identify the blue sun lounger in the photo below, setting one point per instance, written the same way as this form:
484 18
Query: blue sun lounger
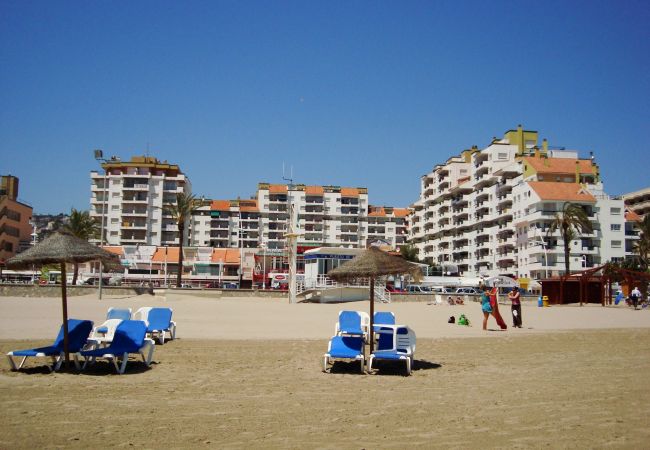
352 323
130 337
395 343
345 348
78 332
159 321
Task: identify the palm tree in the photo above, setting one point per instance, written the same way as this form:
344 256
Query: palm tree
84 227
571 222
409 253
181 211
642 246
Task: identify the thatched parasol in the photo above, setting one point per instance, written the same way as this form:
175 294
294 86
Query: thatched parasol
374 263
61 248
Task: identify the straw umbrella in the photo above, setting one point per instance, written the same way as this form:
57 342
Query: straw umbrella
374 263
61 248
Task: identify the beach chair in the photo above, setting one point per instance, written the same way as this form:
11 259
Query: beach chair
114 313
78 331
130 338
345 348
103 334
352 323
395 343
383 318
159 322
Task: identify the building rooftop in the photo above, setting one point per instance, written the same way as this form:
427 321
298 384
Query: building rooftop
549 190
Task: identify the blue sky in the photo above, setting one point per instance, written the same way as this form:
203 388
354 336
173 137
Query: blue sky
350 93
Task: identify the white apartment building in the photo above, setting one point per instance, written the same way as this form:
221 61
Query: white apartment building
128 199
638 202
327 215
486 212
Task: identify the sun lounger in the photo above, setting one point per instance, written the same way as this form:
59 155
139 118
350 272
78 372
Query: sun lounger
142 314
130 337
114 313
352 323
384 318
395 343
345 348
103 334
78 331
159 322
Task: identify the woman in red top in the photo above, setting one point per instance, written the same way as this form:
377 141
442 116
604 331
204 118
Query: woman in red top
514 297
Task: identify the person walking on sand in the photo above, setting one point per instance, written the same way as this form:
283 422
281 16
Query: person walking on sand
515 298
485 306
494 302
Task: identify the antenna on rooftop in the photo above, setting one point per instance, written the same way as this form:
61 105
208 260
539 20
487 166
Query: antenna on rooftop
147 155
290 178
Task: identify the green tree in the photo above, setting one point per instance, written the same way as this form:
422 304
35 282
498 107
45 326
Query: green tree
409 253
181 210
84 227
571 222
642 246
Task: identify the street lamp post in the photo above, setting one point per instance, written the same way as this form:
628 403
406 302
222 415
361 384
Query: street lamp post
99 156
263 245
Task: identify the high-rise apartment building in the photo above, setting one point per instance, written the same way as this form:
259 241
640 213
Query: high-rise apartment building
128 200
487 212
638 202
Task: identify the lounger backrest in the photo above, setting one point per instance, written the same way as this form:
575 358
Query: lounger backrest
142 314
129 335
119 313
349 321
384 318
107 329
78 332
405 339
159 319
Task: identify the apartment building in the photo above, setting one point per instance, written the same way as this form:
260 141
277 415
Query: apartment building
638 202
15 217
487 212
128 199
326 215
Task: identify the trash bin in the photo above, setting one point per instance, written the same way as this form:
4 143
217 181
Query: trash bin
539 301
545 301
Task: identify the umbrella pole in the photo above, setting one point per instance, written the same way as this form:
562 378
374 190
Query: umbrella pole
371 332
64 301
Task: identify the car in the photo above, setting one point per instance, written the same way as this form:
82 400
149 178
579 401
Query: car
467 290
442 290
415 289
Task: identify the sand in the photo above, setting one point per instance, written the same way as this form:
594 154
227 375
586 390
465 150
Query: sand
237 378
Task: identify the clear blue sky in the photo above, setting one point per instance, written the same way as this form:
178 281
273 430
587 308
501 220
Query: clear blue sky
350 93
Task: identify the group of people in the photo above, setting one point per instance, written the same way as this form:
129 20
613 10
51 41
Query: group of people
490 305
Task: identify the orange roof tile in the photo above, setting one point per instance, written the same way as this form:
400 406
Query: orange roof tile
377 211
248 206
559 165
631 216
171 255
550 190
349 192
401 212
116 250
314 190
277 188
225 256
220 205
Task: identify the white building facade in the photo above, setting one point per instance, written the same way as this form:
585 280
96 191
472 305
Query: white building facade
487 212
128 200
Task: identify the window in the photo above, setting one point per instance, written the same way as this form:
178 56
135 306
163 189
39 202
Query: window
616 244
503 156
615 211
616 227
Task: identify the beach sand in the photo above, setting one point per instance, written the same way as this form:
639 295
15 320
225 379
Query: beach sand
223 383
